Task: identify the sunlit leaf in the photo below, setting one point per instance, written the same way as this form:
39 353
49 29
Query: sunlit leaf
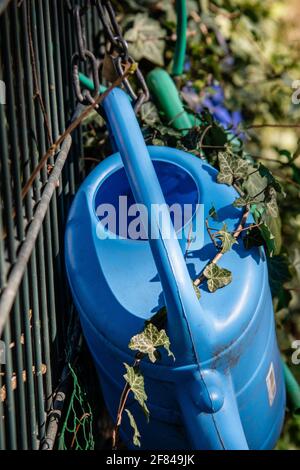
217 277
136 383
136 433
149 340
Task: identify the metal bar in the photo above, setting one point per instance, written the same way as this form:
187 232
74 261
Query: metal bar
16 274
43 250
10 398
3 5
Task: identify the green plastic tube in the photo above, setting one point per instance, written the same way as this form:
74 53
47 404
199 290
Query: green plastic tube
89 84
292 389
181 29
166 95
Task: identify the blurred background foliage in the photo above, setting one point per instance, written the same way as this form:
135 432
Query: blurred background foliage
250 50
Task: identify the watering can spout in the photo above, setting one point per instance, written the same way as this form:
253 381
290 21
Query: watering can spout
184 311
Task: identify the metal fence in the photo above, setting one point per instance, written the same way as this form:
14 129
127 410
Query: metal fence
37 41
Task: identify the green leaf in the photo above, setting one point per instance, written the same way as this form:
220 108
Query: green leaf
145 39
253 238
226 238
217 277
232 167
213 213
149 114
136 433
136 383
242 201
271 202
197 291
149 340
271 180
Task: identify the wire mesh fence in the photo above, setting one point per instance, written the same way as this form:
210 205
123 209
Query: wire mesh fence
37 41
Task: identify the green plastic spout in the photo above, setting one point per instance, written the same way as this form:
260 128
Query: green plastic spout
292 389
167 97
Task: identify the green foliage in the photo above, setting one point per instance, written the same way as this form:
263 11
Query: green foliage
226 238
136 433
216 277
136 383
149 341
232 168
145 39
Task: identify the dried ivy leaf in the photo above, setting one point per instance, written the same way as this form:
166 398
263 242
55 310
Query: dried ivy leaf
145 39
136 383
271 202
226 238
149 340
216 277
231 167
136 433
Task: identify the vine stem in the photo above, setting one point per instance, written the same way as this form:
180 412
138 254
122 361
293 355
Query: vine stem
123 400
219 255
121 407
283 126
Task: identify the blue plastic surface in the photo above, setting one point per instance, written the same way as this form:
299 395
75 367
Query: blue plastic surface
216 394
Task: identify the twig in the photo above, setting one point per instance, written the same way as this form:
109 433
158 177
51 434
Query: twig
121 408
210 234
122 403
204 134
219 255
37 92
261 126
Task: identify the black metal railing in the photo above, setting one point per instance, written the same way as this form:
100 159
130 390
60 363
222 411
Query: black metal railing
37 40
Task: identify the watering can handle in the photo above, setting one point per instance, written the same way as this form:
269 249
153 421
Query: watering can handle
181 301
185 314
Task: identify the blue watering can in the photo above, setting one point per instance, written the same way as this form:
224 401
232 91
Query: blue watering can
225 389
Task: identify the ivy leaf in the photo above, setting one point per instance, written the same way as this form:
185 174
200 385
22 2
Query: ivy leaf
136 383
136 433
149 340
270 228
253 238
271 202
145 39
271 180
217 277
149 114
231 167
226 238
213 213
254 184
242 201
197 291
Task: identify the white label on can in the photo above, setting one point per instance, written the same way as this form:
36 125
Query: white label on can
271 384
